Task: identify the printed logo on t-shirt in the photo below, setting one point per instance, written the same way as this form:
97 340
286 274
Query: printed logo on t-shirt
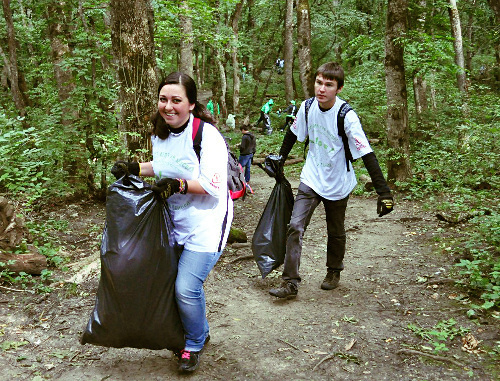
359 145
215 180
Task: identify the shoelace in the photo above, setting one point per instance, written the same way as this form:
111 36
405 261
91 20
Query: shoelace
186 354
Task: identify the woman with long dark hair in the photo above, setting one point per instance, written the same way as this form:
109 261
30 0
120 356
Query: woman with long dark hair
198 199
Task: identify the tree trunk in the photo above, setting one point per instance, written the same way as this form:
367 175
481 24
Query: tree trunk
419 82
456 32
236 72
12 233
223 85
304 50
186 40
132 38
13 69
59 35
397 108
31 263
471 51
12 229
495 6
421 105
288 51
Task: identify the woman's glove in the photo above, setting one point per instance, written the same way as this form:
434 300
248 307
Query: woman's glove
122 168
166 187
385 205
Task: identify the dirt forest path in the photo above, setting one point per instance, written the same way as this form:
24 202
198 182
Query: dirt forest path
392 278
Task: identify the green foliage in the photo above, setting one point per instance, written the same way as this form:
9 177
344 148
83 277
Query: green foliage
436 336
22 158
482 271
27 281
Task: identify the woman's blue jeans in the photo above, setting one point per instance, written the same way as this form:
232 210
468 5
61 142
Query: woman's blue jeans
192 272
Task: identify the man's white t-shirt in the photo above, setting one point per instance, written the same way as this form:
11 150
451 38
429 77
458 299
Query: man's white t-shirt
201 222
325 170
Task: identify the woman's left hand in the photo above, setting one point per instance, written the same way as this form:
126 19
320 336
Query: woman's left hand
166 187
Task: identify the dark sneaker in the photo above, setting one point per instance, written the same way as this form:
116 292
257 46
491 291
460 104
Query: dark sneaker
189 361
287 290
331 280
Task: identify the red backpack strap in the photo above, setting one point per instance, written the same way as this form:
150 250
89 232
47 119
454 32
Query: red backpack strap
197 134
196 125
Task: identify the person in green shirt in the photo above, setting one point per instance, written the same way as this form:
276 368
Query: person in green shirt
264 117
210 106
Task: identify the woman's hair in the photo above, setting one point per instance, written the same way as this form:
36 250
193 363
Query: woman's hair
332 71
160 127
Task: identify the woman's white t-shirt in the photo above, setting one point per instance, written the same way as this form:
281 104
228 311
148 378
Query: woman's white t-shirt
201 222
325 169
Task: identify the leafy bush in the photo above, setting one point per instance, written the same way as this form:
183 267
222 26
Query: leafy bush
482 271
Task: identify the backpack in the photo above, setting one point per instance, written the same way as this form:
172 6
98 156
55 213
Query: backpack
236 183
344 109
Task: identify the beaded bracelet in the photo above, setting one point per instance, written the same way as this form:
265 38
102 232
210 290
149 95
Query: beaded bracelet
183 186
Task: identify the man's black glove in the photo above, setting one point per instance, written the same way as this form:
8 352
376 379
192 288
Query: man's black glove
166 187
385 205
122 168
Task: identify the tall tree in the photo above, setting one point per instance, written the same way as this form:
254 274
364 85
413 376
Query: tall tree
186 40
132 38
304 47
234 54
58 16
288 50
398 136
419 82
456 32
12 66
495 6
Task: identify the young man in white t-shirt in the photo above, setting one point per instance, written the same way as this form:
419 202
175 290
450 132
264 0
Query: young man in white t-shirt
326 177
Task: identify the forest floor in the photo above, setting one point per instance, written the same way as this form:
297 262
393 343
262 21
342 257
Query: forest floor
396 275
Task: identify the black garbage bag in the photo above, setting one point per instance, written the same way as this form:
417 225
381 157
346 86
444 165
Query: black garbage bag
135 302
269 238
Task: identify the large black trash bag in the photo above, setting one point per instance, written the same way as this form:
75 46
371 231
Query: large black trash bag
269 238
135 303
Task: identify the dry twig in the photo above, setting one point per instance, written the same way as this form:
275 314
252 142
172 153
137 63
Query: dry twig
242 258
435 357
16 290
293 346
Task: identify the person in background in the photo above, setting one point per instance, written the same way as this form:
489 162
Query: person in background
247 150
290 112
197 197
211 107
264 117
243 71
326 177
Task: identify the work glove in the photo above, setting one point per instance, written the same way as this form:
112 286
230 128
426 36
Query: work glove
166 187
122 168
385 205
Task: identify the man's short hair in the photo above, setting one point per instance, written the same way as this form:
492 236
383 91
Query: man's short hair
332 71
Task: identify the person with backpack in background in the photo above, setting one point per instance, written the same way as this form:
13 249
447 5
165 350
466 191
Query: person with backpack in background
247 150
264 117
327 176
291 113
197 196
